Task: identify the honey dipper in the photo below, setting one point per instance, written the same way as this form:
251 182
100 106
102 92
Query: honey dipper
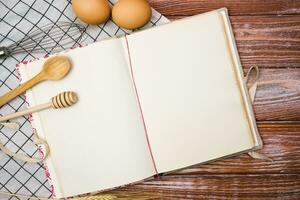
54 68
62 100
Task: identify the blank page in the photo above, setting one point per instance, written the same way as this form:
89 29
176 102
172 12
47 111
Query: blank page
189 94
98 143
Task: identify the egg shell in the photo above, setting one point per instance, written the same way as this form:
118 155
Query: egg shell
92 11
131 14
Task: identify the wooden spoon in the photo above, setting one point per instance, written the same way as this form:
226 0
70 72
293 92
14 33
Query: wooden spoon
54 68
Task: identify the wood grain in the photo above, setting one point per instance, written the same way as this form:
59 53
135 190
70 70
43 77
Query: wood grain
268 186
236 7
267 41
278 95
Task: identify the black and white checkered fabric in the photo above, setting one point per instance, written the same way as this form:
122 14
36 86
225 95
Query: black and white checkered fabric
17 19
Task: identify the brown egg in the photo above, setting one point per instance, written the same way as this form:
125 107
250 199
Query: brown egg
131 14
92 11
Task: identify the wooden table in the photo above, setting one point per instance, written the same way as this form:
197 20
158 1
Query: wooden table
268 35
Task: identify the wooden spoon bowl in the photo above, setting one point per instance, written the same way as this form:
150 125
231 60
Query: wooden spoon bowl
56 68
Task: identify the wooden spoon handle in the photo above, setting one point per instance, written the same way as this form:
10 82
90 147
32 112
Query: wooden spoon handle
20 89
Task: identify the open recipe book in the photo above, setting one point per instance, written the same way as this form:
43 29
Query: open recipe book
152 102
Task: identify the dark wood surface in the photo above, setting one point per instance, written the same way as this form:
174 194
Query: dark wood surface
267 34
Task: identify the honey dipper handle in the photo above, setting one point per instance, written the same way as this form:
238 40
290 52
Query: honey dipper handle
20 89
27 111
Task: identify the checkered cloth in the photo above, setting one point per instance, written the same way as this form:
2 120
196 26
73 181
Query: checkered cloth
17 19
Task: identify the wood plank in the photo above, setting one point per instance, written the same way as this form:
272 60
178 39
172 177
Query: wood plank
267 41
257 186
278 95
281 143
236 7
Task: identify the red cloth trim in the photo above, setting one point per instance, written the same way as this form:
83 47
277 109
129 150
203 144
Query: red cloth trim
140 107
